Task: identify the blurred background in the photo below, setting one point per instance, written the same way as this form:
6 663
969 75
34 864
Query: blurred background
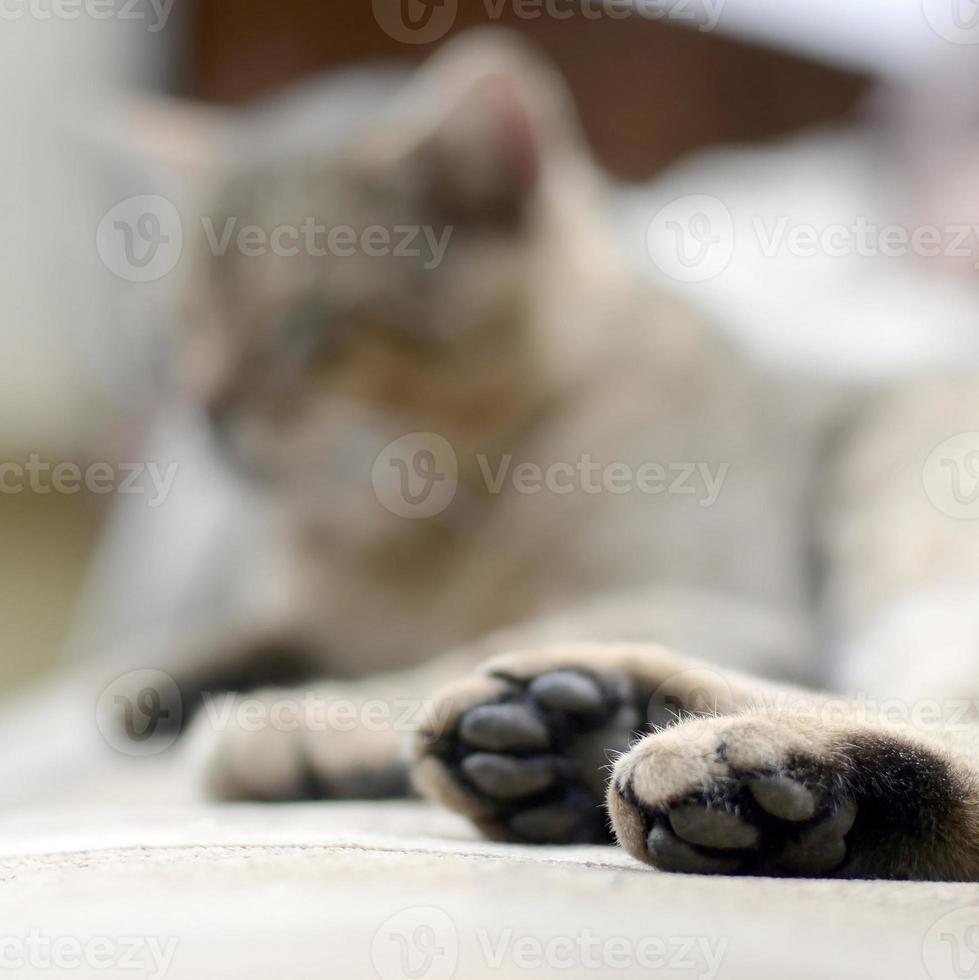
802 115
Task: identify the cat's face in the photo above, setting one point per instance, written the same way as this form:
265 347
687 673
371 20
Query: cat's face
347 296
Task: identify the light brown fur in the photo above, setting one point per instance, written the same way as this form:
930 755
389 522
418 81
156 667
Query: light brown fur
533 342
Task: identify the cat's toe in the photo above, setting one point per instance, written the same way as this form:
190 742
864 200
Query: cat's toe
510 727
669 853
710 826
569 691
784 797
821 846
504 777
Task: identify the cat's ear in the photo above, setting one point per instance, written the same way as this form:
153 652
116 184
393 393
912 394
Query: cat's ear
484 158
486 115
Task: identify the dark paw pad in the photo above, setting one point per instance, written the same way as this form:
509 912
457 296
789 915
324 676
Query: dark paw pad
533 757
775 824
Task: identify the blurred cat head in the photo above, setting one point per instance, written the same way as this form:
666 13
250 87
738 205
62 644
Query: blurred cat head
353 283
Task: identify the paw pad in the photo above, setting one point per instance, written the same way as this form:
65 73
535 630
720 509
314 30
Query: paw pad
526 757
770 824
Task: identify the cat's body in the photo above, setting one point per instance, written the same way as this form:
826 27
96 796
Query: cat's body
673 494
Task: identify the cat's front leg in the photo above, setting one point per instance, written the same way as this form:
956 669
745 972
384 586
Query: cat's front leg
329 739
322 741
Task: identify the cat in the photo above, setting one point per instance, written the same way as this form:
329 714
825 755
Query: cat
506 439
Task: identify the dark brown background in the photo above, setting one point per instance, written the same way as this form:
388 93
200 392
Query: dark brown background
648 91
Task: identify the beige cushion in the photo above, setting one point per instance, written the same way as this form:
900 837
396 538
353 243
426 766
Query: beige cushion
392 890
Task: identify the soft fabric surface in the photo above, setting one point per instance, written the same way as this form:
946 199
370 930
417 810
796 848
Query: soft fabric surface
310 891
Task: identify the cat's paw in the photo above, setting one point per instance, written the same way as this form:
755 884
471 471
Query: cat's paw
288 745
782 794
524 747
